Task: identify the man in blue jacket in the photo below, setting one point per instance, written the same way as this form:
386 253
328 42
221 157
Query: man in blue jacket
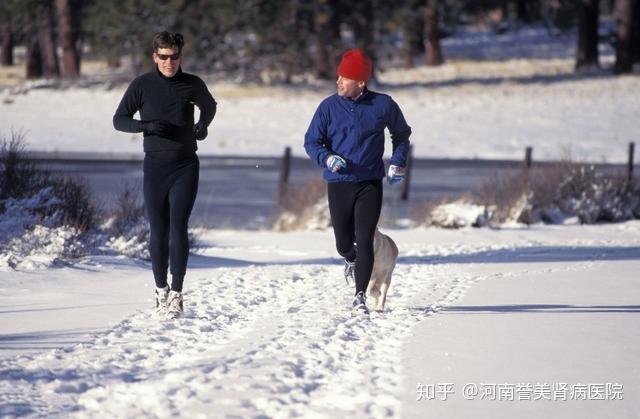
346 138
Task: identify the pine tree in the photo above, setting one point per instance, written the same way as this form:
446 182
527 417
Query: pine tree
624 61
434 52
34 56
327 37
126 28
69 28
7 27
412 23
587 50
635 31
48 48
363 24
6 55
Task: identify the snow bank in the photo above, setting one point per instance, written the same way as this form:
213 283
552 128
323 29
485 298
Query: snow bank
457 214
32 237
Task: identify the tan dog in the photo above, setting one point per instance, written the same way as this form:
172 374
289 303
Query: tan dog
385 254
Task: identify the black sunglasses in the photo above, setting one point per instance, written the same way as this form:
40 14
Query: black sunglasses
173 57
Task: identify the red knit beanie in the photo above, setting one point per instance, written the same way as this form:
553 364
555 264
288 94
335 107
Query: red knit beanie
355 65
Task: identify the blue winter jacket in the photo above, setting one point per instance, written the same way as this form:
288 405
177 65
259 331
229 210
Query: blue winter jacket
354 130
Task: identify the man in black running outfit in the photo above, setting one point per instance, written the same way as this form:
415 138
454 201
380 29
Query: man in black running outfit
165 98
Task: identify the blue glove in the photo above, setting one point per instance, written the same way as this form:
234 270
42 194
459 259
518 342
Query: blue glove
396 174
335 163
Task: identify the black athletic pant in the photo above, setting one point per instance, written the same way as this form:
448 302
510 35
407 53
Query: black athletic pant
355 210
170 188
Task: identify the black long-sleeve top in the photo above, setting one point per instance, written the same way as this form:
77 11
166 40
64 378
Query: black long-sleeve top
170 99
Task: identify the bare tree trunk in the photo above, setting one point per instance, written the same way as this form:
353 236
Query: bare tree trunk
68 39
635 32
336 35
34 57
528 10
325 21
290 58
434 52
50 64
6 55
624 60
587 51
413 32
363 26
522 11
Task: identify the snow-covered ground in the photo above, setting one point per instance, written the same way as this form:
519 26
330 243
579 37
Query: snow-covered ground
541 311
268 332
552 340
461 110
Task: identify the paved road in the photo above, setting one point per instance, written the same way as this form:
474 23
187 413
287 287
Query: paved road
241 192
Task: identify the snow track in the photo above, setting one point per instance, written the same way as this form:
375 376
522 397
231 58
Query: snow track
258 340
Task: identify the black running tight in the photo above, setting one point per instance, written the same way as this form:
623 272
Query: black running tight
170 188
355 210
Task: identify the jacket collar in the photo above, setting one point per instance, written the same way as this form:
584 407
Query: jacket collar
176 76
363 95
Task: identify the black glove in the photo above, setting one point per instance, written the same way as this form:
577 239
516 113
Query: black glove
200 131
157 127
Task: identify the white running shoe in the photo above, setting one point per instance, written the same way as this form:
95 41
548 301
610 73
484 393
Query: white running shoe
175 307
360 306
162 297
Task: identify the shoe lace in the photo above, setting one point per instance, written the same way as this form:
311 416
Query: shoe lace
359 303
175 302
162 297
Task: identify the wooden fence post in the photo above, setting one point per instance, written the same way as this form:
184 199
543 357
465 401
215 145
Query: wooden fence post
528 153
526 216
407 176
632 147
527 157
285 167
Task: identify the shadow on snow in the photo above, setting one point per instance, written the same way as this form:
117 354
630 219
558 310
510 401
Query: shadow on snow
531 255
539 308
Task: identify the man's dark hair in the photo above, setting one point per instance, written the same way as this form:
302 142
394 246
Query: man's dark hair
167 39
